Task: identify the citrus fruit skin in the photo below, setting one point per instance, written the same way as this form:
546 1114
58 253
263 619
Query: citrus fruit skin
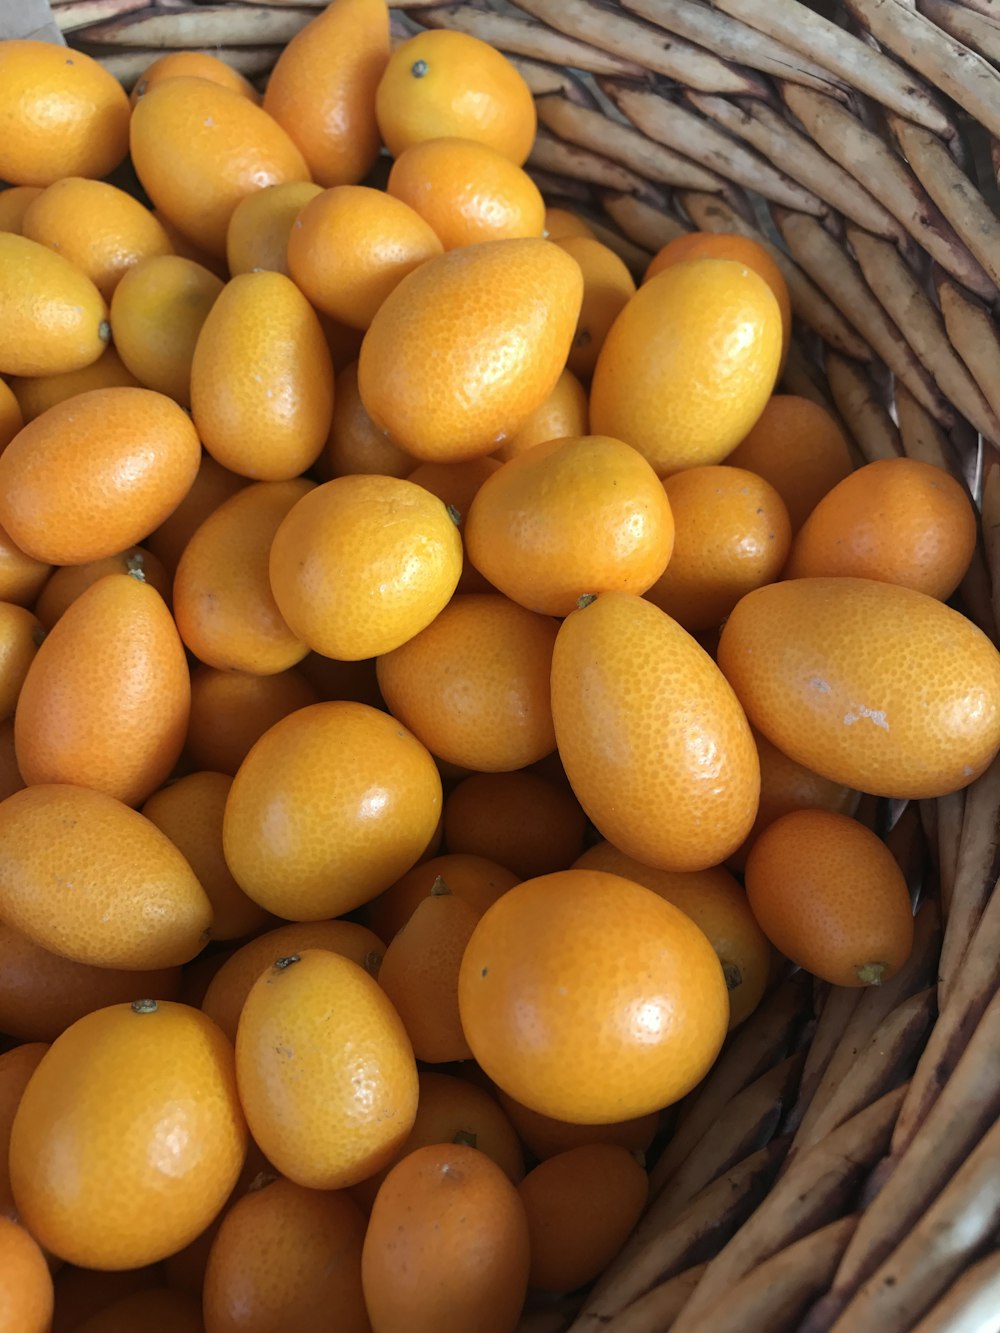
329 808
608 286
581 1207
322 89
440 84
590 999
689 364
871 685
106 701
43 993
563 413
20 635
326 1072
64 114
447 1245
157 312
728 245
898 520
830 895
257 236
652 737
199 148
142 457
717 905
798 447
285 1257
230 710
135 902
468 345
37 393
262 379
70 582
229 988
517 820
475 879
474 685
569 517
54 318
153 1309
14 203
363 563
545 1137
26 1296
16 1069
192 65
129 1137
467 191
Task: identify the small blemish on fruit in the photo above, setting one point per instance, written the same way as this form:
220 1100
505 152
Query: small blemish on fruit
876 715
144 1006
418 69
484 972
818 684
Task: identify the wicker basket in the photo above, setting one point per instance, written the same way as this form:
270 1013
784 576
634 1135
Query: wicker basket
840 1167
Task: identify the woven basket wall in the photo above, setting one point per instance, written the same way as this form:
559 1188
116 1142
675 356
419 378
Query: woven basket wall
840 1167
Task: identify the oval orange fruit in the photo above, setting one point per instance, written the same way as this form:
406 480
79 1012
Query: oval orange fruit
258 231
325 1069
868 684
468 345
26 1297
652 737
55 319
231 710
591 999
329 808
829 895
129 1136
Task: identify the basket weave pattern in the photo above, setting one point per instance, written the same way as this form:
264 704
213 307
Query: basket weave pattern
840 1167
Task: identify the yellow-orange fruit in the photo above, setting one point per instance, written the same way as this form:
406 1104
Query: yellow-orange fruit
652 737
257 236
868 684
54 318
37 393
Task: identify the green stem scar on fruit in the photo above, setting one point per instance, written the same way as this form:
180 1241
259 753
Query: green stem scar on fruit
372 962
135 566
418 69
585 600
282 963
439 889
871 974
144 1006
465 1136
455 515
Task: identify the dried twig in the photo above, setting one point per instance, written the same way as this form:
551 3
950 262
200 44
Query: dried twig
961 73
203 25
975 987
970 1304
660 1306
811 1193
799 158
707 1222
953 192
957 1227
833 270
645 45
922 437
975 873
852 60
624 145
904 300
950 813
836 1013
867 420
974 336
863 153
775 1295
551 154
643 223
732 40
78 13
682 130
527 37
635 257
802 377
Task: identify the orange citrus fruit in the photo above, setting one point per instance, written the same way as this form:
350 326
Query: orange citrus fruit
156 315
20 635
79 873
898 520
467 191
14 201
474 685
322 89
212 485
442 83
329 808
562 222
26 1297
446 1246
363 563
285 1256
653 739
871 685
570 517
64 114
21 576
97 227
563 413
231 710
474 879
199 148
829 895
352 245
590 999
37 393
129 1136
325 1069
517 820
607 288
16 1069
468 345
192 65
355 443
544 1136
798 447
55 319
142 457
257 236
732 534
689 364
71 581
